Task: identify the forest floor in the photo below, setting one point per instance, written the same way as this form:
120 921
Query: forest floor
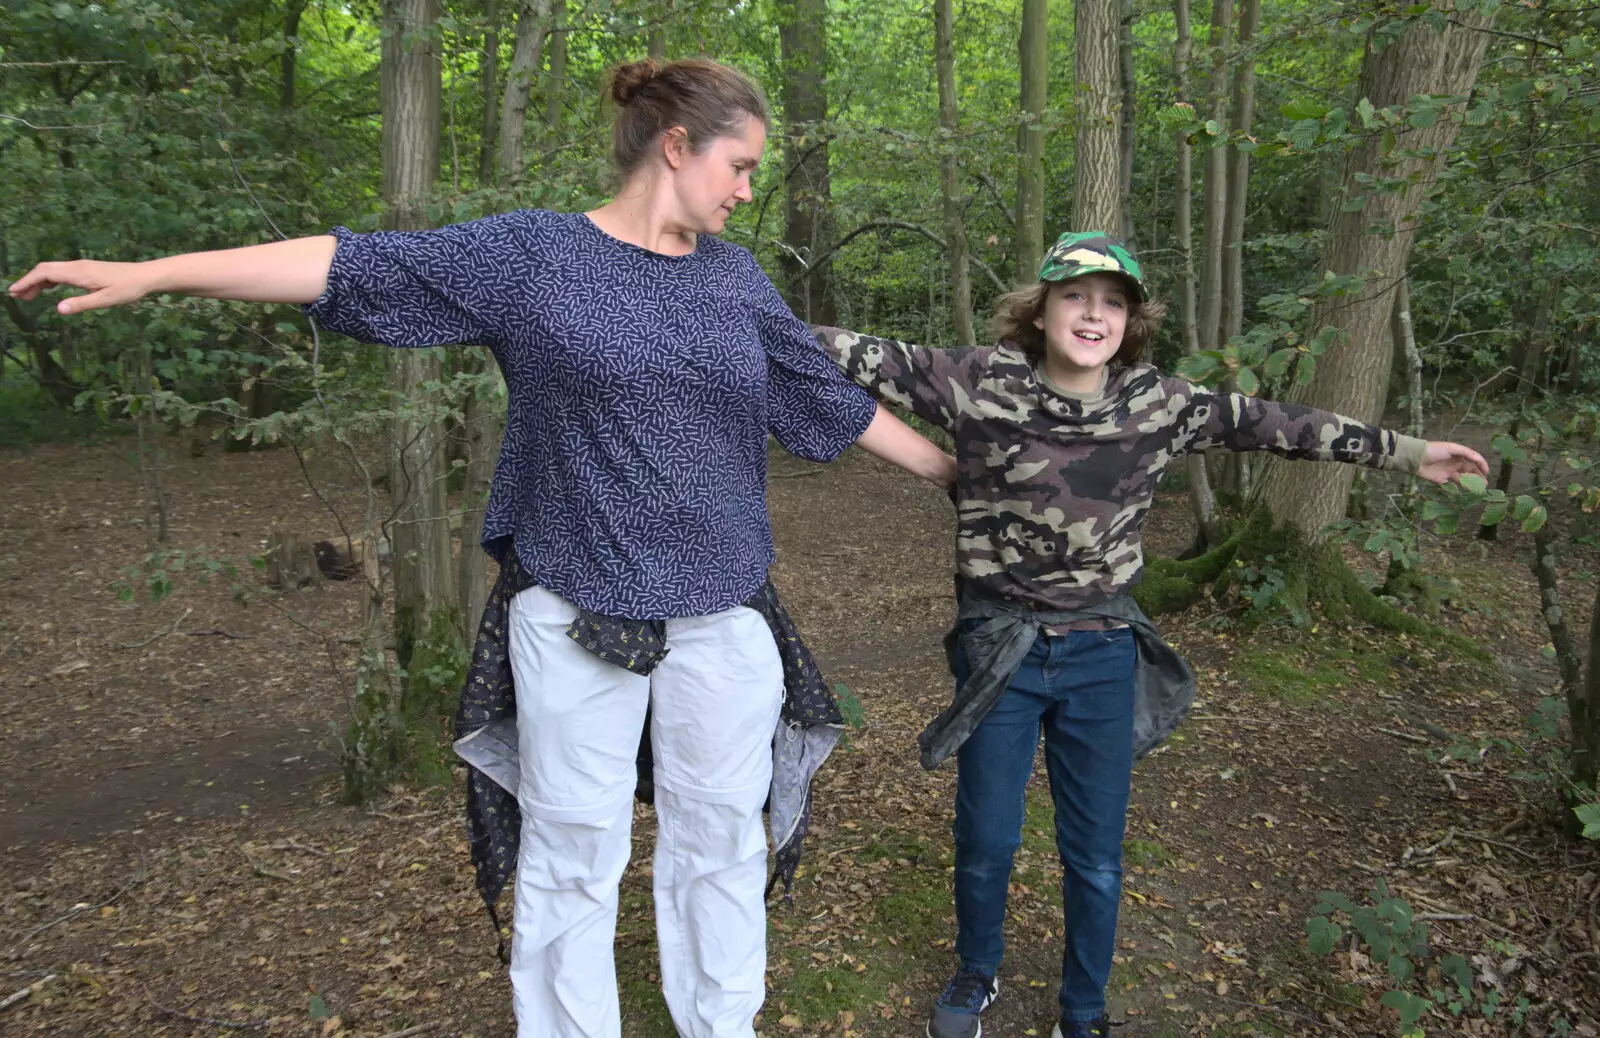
174 859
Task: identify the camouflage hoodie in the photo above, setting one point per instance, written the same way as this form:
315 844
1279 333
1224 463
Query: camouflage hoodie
1053 487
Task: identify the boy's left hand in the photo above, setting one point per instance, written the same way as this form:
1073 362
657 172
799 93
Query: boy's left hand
1442 462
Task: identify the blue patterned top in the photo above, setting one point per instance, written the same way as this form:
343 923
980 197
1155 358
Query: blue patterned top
642 386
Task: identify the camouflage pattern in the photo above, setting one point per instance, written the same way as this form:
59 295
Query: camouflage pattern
1078 253
1053 489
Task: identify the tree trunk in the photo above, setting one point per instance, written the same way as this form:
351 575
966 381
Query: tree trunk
1352 375
950 174
1097 179
292 10
1200 495
803 38
489 80
411 82
484 427
555 101
1583 712
1239 120
533 19
1212 229
1034 48
1126 138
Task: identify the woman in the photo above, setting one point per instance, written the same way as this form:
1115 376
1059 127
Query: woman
646 362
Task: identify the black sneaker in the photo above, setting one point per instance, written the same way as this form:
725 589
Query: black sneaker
1097 1028
957 1011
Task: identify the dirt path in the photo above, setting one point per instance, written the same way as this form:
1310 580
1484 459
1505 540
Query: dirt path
133 876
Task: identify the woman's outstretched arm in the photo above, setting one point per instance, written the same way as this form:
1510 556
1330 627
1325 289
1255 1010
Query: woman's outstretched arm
897 443
294 271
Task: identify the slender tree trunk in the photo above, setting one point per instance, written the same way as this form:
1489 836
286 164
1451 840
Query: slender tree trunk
1126 138
533 20
1097 180
489 80
1239 120
292 10
1583 712
411 90
808 196
1200 495
1352 376
555 104
950 174
1212 229
1034 48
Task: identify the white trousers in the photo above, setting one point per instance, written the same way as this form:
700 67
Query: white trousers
716 699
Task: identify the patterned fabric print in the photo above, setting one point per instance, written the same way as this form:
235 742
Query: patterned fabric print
1089 252
809 725
642 389
1053 490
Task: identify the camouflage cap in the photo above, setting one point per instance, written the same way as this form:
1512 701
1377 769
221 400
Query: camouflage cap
1089 252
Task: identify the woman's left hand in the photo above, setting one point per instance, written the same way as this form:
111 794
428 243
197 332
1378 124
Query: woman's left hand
1442 462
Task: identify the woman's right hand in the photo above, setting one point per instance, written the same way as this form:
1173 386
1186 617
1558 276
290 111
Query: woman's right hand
106 284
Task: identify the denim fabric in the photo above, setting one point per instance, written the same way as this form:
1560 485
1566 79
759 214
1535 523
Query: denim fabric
1079 689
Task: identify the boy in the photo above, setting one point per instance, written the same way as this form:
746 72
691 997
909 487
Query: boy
1061 434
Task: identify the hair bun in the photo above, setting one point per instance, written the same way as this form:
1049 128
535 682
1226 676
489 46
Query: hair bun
629 79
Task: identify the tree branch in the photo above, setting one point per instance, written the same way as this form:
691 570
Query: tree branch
897 225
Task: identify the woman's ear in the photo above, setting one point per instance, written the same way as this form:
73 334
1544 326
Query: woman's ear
675 146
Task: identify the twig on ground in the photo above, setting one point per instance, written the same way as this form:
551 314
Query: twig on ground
408 1032
1518 851
797 475
219 631
17 996
301 847
158 636
1407 736
1248 720
1448 838
1450 781
1277 1009
1445 917
36 931
232 1025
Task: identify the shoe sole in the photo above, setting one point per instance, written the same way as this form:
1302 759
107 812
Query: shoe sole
928 1027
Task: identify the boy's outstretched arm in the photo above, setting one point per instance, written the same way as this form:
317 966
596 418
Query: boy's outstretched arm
921 379
294 271
1231 421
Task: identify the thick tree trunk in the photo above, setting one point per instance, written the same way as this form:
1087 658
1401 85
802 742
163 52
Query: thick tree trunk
489 82
1200 495
533 20
808 195
292 10
411 81
1212 229
1097 180
1126 138
1034 49
955 229
1239 120
1352 376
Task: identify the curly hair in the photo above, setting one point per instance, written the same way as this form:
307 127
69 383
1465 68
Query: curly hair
1016 312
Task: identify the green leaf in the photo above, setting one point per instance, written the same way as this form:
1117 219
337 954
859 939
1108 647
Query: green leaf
1354 204
1199 367
1447 524
1589 815
1409 1006
1249 385
1473 483
1322 935
1523 507
1386 145
1536 520
319 1008
1277 365
1364 110
1213 127
1303 134
1493 513
1304 108
1306 370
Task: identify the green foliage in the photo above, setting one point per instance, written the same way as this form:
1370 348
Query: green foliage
1420 982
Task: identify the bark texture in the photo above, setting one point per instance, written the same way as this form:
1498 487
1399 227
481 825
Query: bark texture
1097 179
808 196
533 23
1033 46
955 228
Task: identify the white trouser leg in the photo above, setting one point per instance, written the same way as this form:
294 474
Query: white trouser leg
716 699
578 721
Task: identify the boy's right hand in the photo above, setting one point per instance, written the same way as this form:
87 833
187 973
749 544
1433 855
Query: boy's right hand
107 284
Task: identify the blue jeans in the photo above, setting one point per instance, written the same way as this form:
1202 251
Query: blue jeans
1078 687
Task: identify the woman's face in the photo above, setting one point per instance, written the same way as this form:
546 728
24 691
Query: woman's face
711 184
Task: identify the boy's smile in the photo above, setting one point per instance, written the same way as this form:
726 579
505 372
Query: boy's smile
1083 322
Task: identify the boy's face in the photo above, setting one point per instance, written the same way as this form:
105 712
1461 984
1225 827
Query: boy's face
1083 321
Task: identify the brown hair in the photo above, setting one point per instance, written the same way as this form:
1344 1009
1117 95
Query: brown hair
706 98
1017 310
